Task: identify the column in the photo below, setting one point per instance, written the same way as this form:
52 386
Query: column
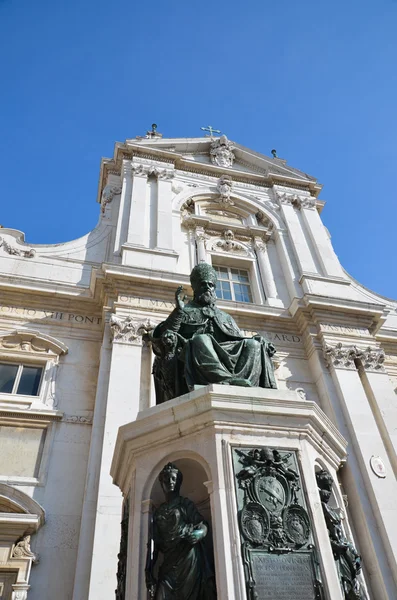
124 209
321 242
164 210
300 245
266 272
137 214
366 442
381 397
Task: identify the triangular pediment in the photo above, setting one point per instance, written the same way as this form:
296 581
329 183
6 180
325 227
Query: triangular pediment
197 151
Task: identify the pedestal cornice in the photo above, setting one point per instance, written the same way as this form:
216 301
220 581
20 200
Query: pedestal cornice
227 409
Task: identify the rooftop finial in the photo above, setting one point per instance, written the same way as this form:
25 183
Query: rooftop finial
211 130
153 133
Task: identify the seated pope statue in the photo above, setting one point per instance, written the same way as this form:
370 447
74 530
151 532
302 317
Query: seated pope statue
199 344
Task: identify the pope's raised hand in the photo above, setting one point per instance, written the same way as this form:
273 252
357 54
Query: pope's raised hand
180 301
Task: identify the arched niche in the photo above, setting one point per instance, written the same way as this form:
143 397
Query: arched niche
195 478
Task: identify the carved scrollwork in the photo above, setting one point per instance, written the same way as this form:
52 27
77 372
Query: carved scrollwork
129 330
228 243
225 186
14 251
109 192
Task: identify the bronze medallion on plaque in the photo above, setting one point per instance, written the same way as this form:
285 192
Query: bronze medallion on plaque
280 560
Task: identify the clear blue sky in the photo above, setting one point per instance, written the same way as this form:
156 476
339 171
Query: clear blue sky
315 80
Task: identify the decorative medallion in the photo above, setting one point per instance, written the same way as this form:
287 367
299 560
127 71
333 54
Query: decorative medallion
255 523
378 466
270 492
296 524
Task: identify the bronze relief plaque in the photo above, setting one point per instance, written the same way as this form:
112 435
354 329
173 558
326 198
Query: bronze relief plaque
277 550
283 576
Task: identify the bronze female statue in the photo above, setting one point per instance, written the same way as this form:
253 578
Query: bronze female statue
178 531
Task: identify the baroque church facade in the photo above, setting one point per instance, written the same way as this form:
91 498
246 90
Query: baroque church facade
82 439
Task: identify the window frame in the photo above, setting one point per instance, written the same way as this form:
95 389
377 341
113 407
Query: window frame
232 282
21 364
31 348
250 265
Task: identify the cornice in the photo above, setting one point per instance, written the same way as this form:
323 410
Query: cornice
31 415
265 180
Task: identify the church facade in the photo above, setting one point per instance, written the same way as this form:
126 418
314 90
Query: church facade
82 440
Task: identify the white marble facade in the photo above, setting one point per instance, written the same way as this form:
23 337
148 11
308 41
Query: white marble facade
78 310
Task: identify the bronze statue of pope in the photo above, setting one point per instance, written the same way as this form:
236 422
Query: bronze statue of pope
199 344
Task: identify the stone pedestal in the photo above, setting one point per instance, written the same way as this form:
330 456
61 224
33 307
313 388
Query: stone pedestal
200 433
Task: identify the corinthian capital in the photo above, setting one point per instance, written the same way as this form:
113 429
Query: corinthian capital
296 200
372 359
341 357
144 170
128 330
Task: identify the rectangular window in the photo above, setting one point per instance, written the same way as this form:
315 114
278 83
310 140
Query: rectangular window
20 379
233 284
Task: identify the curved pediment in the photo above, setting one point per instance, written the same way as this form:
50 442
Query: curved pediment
15 501
29 340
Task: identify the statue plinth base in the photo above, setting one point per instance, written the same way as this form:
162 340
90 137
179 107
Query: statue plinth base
200 433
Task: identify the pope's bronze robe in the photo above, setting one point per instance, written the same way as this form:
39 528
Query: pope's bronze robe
212 349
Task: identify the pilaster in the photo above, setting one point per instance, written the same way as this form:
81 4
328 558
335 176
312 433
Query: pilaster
321 242
164 209
366 441
137 214
125 204
300 245
266 272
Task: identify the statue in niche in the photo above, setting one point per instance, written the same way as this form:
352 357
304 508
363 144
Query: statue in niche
178 531
199 344
346 556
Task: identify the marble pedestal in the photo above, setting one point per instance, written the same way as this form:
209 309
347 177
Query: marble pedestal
197 432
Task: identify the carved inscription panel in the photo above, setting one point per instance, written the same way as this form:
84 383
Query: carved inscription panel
283 576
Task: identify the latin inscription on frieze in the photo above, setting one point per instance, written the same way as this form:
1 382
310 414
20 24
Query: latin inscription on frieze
275 337
283 576
35 314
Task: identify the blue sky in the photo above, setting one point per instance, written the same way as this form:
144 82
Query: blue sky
315 80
